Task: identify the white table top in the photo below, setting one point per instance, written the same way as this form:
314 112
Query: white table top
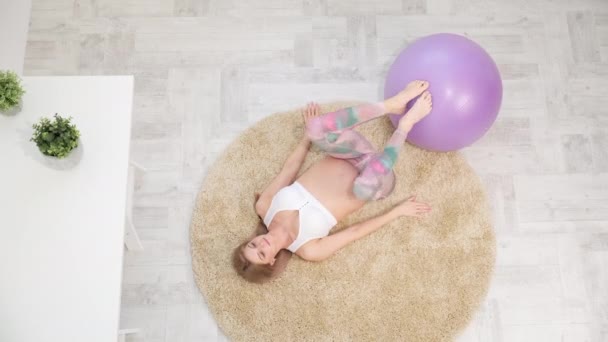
14 20
61 232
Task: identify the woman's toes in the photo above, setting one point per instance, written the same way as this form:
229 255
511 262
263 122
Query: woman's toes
423 85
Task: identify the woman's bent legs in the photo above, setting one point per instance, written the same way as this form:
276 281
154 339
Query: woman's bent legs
332 132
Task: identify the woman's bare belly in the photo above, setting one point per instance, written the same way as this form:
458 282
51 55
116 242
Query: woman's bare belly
330 180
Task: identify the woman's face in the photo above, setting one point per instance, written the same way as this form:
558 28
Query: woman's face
259 250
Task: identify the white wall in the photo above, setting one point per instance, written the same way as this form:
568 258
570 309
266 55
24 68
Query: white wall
14 22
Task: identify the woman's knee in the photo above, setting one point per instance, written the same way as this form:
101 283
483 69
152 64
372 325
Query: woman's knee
374 181
366 185
363 191
387 187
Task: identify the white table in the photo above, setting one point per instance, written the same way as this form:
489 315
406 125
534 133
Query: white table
61 232
14 20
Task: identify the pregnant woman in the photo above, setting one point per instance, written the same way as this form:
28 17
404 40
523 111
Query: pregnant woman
297 214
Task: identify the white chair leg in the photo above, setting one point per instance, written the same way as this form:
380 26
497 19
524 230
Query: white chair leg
137 165
132 240
123 332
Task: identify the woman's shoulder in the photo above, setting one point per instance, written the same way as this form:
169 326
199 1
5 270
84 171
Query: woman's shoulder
309 250
282 197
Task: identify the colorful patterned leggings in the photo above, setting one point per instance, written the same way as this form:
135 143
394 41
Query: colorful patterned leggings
332 133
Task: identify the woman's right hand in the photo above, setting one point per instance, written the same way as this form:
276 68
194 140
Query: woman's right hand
410 207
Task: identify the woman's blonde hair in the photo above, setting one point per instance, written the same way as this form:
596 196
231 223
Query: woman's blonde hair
259 273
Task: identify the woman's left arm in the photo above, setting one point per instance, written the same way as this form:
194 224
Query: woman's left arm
285 177
291 166
295 160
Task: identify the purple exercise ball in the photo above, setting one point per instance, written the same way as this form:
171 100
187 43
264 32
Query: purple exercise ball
465 85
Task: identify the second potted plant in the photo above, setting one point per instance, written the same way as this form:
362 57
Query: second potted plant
11 92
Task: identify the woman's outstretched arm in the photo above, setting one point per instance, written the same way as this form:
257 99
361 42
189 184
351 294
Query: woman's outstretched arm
321 249
288 173
285 177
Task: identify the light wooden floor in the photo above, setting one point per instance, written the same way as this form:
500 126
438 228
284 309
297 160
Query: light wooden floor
205 70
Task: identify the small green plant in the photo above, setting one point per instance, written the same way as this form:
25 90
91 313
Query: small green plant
55 138
10 90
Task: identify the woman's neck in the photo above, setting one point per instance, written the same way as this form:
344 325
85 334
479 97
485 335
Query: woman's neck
283 236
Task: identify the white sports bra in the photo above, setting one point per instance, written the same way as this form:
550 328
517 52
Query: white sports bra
315 220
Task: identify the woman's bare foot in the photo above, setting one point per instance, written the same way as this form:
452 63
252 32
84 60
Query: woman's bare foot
397 103
311 111
421 108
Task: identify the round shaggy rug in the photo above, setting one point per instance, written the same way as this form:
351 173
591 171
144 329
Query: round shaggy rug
412 280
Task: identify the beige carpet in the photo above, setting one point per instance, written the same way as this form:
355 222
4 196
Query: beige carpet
413 280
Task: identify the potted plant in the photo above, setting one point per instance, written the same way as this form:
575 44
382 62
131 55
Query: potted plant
11 92
56 137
